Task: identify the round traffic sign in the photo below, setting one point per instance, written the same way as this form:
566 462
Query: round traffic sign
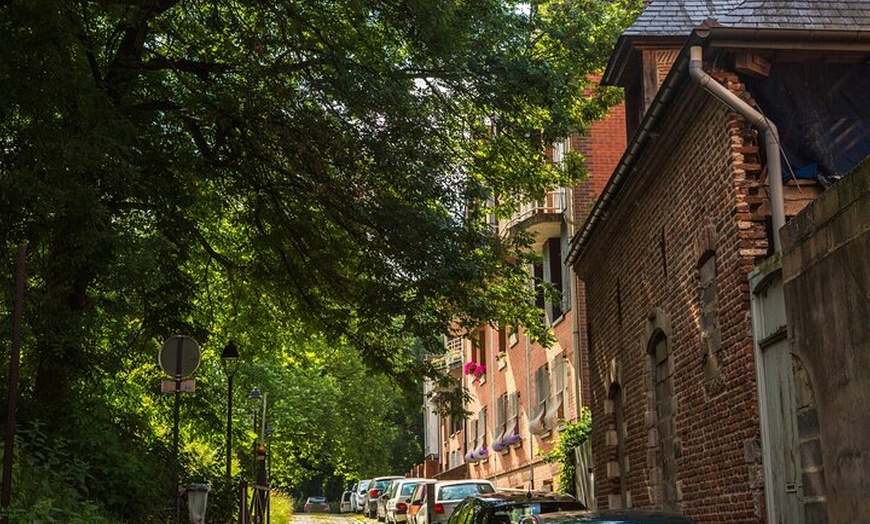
179 356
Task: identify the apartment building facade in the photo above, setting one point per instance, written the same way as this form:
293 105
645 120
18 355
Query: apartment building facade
521 393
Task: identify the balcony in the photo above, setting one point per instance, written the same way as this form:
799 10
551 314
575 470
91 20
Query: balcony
451 359
542 218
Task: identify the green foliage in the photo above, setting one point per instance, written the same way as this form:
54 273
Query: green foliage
51 482
571 436
296 176
280 506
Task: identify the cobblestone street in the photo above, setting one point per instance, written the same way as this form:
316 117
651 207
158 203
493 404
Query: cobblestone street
327 518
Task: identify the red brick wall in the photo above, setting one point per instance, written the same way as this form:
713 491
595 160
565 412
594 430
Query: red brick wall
602 146
696 187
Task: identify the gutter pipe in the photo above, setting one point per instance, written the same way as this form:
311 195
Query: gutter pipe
771 136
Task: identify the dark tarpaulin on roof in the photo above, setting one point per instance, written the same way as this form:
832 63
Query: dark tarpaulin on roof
822 112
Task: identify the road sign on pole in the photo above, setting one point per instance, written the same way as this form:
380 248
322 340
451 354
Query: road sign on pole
179 356
184 386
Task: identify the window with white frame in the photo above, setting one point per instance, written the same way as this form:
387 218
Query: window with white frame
542 397
512 426
481 429
556 405
500 418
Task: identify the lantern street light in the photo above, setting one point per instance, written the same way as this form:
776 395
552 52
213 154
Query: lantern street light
230 364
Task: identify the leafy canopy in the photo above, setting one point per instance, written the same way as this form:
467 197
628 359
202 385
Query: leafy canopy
295 175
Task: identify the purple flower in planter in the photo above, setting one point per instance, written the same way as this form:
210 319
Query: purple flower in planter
511 439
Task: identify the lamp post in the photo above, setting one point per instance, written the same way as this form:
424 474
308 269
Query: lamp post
230 364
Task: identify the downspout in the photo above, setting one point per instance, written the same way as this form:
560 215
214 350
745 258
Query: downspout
771 136
575 316
528 344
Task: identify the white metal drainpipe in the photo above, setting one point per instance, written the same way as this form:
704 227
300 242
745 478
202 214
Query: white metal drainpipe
771 136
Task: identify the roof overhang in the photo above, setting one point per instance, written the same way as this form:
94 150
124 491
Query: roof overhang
854 45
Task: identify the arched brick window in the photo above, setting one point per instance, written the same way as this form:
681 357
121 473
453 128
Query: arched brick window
711 337
618 468
664 475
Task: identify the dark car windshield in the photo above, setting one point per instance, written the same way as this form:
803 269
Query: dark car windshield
316 500
379 484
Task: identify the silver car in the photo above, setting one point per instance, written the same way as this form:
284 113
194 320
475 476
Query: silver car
375 489
359 491
398 499
448 495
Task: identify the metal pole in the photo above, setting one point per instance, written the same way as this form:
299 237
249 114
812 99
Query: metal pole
12 392
230 427
175 463
529 403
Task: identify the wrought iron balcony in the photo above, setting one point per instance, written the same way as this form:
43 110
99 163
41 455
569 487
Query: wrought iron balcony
543 218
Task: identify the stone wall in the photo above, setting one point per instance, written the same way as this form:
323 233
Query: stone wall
826 274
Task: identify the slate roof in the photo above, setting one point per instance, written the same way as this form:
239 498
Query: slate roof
680 17
835 15
677 17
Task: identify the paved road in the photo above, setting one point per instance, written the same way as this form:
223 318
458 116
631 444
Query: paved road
329 518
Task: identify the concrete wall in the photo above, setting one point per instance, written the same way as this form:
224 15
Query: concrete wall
826 271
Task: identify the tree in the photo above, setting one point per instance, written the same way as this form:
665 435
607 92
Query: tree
282 169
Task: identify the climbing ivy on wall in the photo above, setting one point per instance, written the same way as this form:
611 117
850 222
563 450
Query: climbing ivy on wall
573 435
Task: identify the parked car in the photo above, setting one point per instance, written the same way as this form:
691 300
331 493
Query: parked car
316 505
448 494
370 499
398 499
381 512
353 496
359 492
607 517
418 496
508 507
344 505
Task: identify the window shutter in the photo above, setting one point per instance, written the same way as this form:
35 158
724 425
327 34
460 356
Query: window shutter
554 252
481 431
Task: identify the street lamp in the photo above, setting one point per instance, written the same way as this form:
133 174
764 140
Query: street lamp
230 364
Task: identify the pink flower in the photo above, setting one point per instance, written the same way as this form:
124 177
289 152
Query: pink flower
470 367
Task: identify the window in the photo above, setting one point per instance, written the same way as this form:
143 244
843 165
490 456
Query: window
542 396
500 418
507 428
708 307
620 500
455 425
481 429
665 425
479 346
513 414
555 407
553 275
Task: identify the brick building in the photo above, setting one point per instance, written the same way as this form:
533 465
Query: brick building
527 392
695 203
